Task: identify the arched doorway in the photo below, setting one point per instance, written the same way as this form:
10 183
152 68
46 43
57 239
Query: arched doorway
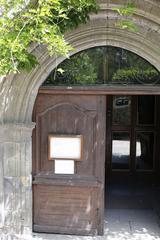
99 95
18 94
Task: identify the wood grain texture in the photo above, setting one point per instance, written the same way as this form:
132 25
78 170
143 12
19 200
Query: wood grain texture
102 90
69 203
65 208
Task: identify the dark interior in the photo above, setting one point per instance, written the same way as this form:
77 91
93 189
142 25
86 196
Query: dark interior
132 153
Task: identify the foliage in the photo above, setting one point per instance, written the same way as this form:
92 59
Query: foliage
127 24
135 75
80 69
126 12
24 22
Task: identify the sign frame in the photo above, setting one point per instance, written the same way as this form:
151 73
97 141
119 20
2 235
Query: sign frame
63 136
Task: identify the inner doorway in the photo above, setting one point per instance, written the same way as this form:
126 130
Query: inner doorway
132 162
133 129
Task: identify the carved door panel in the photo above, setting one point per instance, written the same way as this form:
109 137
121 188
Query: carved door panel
69 203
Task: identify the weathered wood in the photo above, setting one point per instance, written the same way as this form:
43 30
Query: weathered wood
65 207
64 230
69 203
102 90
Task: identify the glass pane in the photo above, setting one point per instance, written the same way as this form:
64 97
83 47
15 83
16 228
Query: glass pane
104 65
120 150
144 150
121 110
146 109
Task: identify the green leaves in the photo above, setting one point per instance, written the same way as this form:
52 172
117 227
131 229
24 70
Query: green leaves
60 70
136 75
126 12
127 24
23 22
44 22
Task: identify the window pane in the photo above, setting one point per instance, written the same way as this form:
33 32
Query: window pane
120 150
144 150
104 65
146 109
121 110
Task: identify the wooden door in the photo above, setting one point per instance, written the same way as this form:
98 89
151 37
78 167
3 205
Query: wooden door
69 203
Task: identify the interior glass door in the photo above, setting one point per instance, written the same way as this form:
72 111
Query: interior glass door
133 127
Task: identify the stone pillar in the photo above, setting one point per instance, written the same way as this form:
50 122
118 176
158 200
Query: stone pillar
15 181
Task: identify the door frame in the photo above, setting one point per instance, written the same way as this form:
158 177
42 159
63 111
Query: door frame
101 90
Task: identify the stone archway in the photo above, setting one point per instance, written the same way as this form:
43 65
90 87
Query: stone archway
18 95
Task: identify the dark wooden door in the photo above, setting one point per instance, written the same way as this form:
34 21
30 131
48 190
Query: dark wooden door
69 203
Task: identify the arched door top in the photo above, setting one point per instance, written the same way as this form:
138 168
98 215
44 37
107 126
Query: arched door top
19 91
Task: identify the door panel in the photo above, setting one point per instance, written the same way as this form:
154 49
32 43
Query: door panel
65 203
146 110
121 112
144 150
65 209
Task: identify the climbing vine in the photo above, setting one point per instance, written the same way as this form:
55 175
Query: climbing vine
23 22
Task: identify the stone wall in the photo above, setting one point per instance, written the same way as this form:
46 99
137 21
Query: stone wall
15 180
18 93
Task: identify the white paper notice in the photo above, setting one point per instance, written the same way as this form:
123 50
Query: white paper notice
64 166
65 147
